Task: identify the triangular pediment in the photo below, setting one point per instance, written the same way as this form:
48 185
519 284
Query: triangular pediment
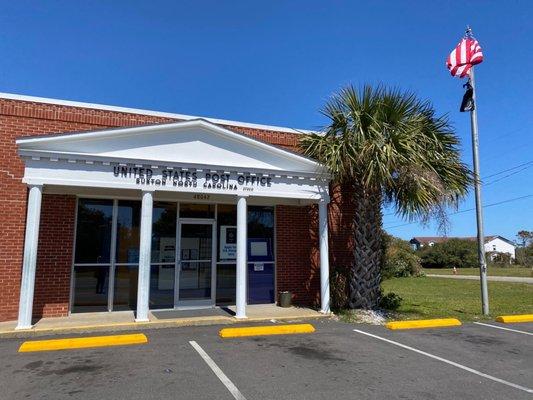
196 142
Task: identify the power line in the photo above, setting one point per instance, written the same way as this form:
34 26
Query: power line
508 175
526 165
509 169
507 150
506 135
470 209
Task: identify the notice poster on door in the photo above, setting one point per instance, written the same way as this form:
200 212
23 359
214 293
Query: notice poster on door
228 242
167 249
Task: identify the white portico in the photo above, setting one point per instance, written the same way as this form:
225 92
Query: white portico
193 161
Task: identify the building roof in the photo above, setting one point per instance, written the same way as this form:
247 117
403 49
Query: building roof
441 239
89 143
94 106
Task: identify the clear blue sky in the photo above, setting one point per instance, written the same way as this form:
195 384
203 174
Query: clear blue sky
277 62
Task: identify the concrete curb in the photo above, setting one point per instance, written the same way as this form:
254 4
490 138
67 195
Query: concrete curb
137 326
266 330
82 343
423 323
509 319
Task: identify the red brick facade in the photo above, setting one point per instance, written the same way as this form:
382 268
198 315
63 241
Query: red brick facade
297 261
54 256
297 256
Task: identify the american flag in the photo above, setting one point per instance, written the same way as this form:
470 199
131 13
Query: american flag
466 54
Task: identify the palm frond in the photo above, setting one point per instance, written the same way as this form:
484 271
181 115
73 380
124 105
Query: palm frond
391 140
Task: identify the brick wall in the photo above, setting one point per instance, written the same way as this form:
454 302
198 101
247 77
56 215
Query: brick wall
297 263
54 256
297 255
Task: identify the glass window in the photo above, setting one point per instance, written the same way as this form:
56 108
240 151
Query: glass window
196 252
260 255
196 242
260 221
260 233
164 233
226 253
128 231
162 274
197 210
227 232
162 286
226 278
91 285
93 232
125 294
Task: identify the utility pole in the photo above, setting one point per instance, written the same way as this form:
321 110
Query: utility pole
479 206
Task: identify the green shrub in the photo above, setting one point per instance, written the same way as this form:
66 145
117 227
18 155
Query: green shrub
498 259
391 301
399 259
524 256
458 253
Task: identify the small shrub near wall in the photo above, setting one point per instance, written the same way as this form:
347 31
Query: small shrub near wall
391 301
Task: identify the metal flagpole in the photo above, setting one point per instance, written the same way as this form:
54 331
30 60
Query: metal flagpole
479 207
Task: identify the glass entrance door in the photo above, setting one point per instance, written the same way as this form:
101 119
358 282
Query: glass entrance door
196 263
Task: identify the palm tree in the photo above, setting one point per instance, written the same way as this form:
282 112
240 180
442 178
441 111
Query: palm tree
390 148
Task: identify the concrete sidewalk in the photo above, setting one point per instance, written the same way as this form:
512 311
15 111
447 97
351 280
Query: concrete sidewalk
513 279
125 320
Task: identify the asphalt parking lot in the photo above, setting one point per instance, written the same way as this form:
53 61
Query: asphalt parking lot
468 362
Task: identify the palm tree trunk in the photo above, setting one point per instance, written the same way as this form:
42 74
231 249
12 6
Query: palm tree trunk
365 276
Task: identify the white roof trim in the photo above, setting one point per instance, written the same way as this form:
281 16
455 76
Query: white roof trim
91 159
494 237
165 127
12 96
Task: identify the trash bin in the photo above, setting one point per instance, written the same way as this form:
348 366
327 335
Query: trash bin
285 299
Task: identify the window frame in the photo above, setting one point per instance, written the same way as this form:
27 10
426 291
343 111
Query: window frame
113 264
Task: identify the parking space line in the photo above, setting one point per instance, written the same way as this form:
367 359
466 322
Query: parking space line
463 367
503 328
218 372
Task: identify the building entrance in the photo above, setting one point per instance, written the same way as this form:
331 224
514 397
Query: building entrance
196 267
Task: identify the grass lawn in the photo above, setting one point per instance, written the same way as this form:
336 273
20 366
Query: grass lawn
439 298
526 272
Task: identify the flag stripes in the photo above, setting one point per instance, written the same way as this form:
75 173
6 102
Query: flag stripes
464 56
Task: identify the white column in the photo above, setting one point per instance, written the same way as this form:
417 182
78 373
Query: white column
29 262
242 268
324 256
145 250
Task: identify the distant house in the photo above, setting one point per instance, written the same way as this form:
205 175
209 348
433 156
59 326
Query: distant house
420 241
493 244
